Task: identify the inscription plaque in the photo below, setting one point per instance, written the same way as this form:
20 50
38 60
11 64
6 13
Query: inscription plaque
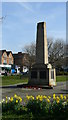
33 74
42 74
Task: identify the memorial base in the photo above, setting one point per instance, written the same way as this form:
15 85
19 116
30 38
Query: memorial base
42 74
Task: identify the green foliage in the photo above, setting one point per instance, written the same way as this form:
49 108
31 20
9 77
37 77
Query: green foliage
58 111
54 111
9 105
39 107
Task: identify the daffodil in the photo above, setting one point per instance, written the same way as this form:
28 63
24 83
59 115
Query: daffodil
61 97
64 97
32 97
11 99
57 98
44 97
20 99
6 97
15 96
49 97
41 99
28 97
37 98
48 100
54 96
57 101
16 101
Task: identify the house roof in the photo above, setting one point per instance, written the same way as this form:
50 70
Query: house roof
8 52
19 54
2 51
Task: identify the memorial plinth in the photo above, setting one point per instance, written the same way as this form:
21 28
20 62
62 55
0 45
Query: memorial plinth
41 72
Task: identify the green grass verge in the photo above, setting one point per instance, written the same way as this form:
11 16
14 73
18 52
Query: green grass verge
16 79
11 80
62 78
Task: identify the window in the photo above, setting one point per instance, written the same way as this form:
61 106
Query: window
4 58
5 61
10 61
10 58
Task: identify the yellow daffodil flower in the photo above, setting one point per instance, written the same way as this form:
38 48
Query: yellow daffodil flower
37 98
64 97
48 100
61 97
44 97
6 97
57 98
15 96
28 97
57 101
11 99
16 101
49 97
40 99
54 96
20 99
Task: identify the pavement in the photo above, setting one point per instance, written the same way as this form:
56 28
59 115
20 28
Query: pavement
61 88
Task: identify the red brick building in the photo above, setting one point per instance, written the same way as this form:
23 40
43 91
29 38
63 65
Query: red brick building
21 59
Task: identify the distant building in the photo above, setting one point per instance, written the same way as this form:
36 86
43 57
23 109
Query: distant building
6 62
6 57
21 59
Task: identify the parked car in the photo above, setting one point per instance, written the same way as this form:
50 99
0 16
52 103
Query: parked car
4 73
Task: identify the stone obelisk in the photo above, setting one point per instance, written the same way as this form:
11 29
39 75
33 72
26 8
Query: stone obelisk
41 72
41 44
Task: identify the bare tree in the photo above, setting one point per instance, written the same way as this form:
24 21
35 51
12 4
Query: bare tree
31 50
55 52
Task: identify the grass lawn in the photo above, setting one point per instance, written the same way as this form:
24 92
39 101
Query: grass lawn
62 78
10 80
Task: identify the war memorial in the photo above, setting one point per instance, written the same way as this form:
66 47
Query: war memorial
42 72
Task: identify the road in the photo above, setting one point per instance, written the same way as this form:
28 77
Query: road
61 88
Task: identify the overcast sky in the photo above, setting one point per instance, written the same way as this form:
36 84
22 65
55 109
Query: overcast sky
19 25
